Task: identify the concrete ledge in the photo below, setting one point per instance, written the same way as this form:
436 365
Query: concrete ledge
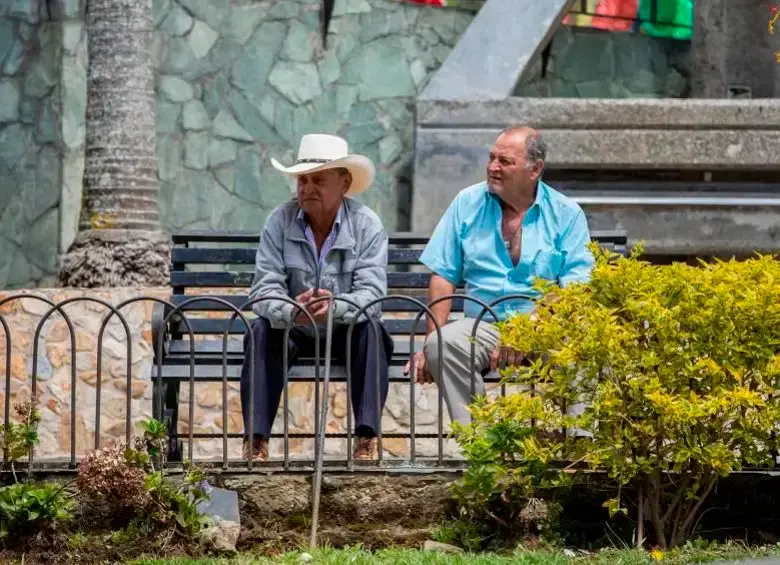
684 230
464 151
601 113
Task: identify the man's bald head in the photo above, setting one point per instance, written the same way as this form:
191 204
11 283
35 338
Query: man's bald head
516 163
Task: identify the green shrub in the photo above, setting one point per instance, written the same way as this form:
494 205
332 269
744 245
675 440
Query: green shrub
676 369
28 507
19 439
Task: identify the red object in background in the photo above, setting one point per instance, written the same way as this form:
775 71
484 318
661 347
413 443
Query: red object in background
438 3
622 12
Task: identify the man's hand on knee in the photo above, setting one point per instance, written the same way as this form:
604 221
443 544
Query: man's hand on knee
502 357
421 373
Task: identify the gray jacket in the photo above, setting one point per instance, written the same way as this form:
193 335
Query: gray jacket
287 264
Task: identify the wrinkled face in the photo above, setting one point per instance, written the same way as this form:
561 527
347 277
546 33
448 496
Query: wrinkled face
508 169
320 193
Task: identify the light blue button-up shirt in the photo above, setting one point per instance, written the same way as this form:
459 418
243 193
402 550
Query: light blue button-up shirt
467 247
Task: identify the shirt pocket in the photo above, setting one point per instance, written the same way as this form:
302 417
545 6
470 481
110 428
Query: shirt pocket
478 244
296 256
339 270
547 265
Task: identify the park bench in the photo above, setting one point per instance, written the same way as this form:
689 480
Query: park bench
207 263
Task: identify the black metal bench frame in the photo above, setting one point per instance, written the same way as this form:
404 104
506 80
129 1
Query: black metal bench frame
238 248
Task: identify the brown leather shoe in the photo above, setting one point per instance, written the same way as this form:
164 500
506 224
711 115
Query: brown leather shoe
365 449
259 449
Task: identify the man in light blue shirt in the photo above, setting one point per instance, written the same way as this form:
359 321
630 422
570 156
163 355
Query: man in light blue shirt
495 238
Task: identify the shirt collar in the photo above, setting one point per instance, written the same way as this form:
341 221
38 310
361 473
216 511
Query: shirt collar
301 217
541 190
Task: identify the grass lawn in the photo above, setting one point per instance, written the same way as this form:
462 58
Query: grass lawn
413 557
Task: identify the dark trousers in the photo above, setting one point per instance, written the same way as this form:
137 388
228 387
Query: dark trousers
269 378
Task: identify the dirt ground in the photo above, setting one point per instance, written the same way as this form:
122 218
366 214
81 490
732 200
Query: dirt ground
375 511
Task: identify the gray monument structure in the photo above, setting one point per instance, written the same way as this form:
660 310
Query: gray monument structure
687 176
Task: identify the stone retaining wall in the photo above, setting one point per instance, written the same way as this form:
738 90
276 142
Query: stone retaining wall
54 384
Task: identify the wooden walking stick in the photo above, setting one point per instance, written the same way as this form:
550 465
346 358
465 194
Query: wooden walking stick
320 440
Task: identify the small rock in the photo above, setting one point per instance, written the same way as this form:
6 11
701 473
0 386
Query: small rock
9 101
225 125
298 82
195 116
431 545
305 558
201 39
178 22
175 89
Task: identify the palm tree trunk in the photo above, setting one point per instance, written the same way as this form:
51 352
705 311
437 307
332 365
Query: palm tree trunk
120 240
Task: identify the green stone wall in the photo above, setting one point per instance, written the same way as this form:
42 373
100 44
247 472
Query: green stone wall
29 143
593 63
240 82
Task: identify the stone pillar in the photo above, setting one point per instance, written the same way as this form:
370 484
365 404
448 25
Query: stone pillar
751 60
732 48
709 69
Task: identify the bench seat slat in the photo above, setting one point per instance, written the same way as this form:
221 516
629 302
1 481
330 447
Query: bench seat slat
300 372
201 326
391 305
231 279
211 349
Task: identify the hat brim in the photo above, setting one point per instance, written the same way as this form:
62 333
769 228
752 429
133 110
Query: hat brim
362 169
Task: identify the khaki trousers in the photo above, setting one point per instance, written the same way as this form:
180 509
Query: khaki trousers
456 361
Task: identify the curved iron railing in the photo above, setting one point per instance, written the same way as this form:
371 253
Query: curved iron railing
358 314
73 373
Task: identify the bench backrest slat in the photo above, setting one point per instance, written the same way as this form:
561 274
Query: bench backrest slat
234 253
246 256
399 238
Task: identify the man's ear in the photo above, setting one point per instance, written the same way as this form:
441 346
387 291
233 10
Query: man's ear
538 169
347 178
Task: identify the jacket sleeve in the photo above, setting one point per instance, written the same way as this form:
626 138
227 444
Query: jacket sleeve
369 279
270 276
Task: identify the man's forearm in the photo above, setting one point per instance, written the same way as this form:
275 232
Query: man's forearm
439 286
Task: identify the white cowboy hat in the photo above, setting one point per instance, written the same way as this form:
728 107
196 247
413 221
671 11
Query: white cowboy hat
318 152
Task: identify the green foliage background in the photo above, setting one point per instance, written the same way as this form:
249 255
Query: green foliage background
669 374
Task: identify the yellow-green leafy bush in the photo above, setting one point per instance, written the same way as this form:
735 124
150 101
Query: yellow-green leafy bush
676 370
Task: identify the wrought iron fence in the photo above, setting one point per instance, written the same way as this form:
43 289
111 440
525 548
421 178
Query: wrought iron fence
320 380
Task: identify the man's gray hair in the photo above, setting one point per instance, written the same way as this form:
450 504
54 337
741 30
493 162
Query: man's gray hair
535 145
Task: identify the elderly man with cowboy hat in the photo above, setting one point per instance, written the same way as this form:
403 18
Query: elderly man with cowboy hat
320 243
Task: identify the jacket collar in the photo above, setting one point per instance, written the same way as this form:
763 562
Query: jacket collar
344 237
